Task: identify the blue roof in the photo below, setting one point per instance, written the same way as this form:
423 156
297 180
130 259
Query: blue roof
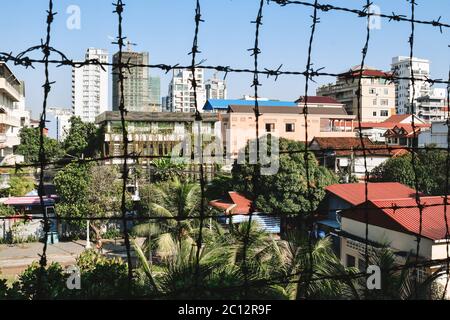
223 104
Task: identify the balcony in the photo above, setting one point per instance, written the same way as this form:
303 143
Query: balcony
10 90
9 120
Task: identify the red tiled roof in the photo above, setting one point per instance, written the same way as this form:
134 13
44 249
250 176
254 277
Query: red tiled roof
343 146
354 193
403 215
318 99
233 203
367 73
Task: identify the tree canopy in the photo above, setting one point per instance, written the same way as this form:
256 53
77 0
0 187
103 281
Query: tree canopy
286 191
82 139
30 144
430 167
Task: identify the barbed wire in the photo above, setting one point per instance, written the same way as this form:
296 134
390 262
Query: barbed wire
120 68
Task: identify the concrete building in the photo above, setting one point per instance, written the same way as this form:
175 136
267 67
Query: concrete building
397 223
63 117
401 66
377 96
150 133
216 88
437 135
90 87
339 197
181 93
344 155
433 107
238 124
376 131
155 94
13 115
136 83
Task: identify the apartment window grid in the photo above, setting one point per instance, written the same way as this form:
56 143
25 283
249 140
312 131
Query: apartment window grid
316 7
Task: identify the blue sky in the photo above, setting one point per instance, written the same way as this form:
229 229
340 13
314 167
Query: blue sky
165 29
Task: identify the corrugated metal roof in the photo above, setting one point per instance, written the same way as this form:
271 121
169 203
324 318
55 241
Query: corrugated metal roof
354 193
223 104
403 215
333 111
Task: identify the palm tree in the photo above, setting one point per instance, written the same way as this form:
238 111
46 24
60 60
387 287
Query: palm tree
175 203
398 282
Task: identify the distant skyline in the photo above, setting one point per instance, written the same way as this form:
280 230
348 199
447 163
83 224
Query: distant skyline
165 29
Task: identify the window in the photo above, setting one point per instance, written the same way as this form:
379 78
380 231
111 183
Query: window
384 102
374 113
374 102
372 91
386 91
270 127
384 113
362 265
290 127
351 261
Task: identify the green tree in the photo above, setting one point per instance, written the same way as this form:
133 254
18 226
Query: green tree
30 146
430 169
286 192
19 186
83 139
89 190
72 186
166 170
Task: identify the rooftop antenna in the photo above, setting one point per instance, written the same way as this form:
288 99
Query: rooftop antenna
129 45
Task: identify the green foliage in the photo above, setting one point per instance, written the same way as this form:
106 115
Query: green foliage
89 190
286 192
6 211
19 186
72 185
102 278
430 167
164 170
219 186
83 139
30 143
43 283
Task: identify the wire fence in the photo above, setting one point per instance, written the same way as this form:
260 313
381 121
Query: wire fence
119 68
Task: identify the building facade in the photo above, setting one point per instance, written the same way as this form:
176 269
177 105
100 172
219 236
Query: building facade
216 88
136 83
13 115
401 66
437 135
150 133
90 87
433 107
239 124
181 96
377 97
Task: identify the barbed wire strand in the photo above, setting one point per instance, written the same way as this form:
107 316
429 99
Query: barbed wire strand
24 59
119 9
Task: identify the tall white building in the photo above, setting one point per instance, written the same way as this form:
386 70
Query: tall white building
404 91
90 87
13 116
181 93
63 117
216 88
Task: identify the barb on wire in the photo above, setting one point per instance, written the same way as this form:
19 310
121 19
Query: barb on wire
119 9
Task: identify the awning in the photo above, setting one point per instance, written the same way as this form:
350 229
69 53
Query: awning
330 223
